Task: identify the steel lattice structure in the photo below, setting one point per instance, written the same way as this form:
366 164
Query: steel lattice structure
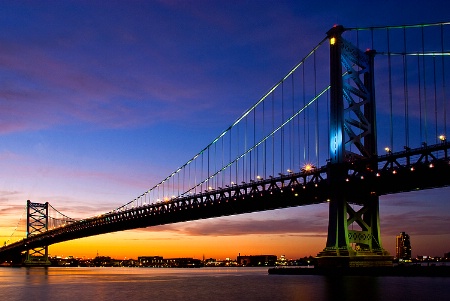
37 223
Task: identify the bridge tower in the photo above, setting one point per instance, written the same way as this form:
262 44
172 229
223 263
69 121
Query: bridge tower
352 135
37 222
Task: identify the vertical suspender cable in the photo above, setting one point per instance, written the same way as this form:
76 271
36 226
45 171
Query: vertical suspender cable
168 192
444 99
188 179
328 119
282 129
307 134
238 152
255 160
390 92
215 166
265 142
291 142
435 100
229 160
299 141
304 114
244 166
316 107
424 87
273 136
207 172
195 176
420 97
405 87
160 189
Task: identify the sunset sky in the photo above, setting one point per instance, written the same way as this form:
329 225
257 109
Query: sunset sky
100 100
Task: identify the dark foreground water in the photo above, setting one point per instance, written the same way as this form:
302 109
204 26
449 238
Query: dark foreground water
211 284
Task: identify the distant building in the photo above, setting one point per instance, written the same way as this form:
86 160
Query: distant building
102 261
403 247
160 262
151 261
447 256
257 260
183 262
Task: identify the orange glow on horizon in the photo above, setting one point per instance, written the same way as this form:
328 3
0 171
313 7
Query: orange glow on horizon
132 244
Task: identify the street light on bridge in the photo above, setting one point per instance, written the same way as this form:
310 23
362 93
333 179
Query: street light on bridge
307 167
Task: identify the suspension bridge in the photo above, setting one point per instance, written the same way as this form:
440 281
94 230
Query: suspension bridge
362 115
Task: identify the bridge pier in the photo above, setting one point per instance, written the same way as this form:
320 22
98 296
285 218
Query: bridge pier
354 248
353 231
351 137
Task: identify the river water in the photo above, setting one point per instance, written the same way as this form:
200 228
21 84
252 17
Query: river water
212 284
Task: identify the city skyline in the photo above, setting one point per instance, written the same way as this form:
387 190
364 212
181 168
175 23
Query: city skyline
96 100
399 243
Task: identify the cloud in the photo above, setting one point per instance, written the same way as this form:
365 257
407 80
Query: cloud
42 90
8 193
416 223
11 208
304 227
142 65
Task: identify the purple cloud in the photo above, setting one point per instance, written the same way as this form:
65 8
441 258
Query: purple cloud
305 227
415 223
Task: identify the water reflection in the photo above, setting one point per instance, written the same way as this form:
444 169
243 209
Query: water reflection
351 288
79 284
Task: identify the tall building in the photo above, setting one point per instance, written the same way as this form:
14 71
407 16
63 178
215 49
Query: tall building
403 247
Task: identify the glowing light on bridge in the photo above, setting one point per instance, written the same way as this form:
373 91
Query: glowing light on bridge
308 167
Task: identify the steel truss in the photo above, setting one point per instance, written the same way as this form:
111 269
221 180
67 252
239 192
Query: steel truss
37 223
352 137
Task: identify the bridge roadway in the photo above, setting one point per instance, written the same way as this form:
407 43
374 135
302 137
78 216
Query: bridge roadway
413 169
